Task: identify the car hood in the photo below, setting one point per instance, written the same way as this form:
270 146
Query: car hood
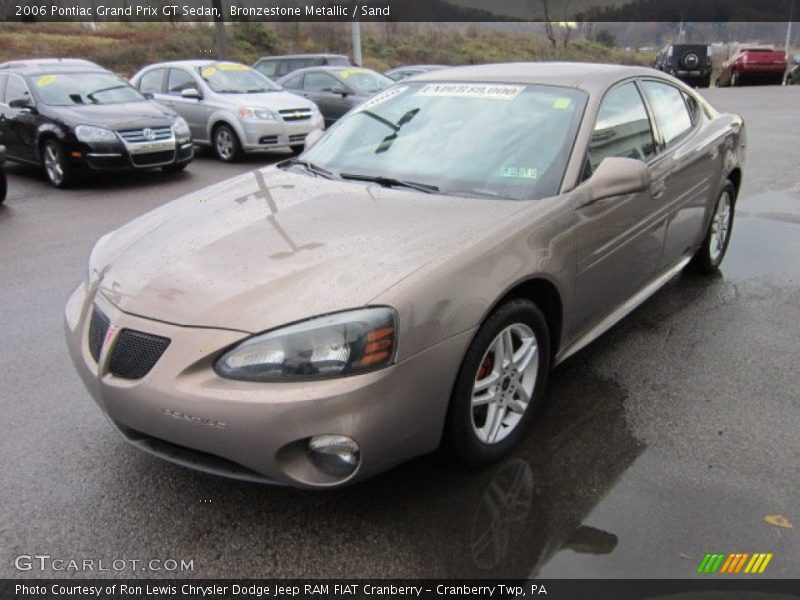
272 100
272 247
128 115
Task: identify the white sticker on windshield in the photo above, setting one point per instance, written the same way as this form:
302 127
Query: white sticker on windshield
472 90
382 97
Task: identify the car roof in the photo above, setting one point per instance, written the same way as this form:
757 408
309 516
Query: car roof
587 76
50 65
425 67
331 69
287 56
192 63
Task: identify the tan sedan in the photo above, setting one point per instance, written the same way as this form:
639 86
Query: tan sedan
409 280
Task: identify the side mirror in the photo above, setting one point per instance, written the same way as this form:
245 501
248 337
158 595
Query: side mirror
22 103
191 93
312 138
617 176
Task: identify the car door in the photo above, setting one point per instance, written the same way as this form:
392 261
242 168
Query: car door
681 172
317 86
618 239
195 110
18 124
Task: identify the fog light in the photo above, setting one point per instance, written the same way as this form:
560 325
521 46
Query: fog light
337 455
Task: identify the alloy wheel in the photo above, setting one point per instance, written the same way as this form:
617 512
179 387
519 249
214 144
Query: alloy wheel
225 144
52 165
720 227
504 383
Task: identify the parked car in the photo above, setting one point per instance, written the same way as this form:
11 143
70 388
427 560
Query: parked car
793 76
411 278
691 63
753 65
231 107
276 67
335 90
71 116
3 180
410 70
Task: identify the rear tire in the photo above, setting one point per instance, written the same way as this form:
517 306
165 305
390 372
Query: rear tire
736 79
712 251
226 144
3 186
55 164
497 391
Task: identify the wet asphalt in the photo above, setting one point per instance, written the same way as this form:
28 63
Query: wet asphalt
673 435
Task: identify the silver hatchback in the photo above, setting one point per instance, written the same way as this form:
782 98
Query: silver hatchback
231 107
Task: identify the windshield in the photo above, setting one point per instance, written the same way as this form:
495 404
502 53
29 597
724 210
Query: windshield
363 81
233 78
510 141
69 89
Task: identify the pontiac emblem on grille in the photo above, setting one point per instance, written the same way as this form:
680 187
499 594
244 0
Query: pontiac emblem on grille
148 134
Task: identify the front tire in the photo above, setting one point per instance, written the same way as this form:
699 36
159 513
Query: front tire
711 253
500 383
736 79
3 186
55 164
227 146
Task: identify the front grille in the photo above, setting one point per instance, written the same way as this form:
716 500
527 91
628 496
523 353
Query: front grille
295 114
297 139
136 136
98 327
153 158
135 353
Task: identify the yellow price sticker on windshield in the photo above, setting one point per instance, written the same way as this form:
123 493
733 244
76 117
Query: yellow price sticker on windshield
45 80
208 71
562 103
348 72
232 67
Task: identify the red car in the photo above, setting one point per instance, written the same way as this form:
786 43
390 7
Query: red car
753 65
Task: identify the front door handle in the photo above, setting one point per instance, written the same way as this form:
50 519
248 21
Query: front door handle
658 189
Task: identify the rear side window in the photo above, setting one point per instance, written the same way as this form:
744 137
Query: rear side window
267 68
622 128
670 110
150 82
295 82
178 81
16 89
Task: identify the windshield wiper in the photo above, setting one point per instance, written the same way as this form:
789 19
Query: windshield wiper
392 182
310 167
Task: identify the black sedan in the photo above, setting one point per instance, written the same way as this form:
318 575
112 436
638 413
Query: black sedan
335 90
70 118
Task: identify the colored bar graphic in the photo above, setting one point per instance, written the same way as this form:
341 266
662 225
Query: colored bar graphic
721 562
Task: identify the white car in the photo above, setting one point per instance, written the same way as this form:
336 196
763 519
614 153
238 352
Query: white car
231 107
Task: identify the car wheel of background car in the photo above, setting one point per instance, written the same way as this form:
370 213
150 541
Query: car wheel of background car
55 164
500 383
736 79
175 168
706 82
226 143
715 244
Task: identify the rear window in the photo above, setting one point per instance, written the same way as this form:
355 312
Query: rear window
338 61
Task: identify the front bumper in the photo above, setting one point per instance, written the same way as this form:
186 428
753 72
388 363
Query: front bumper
279 134
182 411
118 156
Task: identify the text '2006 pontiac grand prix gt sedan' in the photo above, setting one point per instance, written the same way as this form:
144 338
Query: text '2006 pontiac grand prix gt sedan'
411 279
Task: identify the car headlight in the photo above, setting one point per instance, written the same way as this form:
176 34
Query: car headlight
345 343
261 114
180 127
90 133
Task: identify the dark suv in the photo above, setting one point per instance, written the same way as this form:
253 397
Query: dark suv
275 67
70 116
691 63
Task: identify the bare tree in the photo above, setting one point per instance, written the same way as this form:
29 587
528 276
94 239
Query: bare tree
557 20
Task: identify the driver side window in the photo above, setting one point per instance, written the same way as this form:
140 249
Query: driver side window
622 128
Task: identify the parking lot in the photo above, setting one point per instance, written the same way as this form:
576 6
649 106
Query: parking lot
673 435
